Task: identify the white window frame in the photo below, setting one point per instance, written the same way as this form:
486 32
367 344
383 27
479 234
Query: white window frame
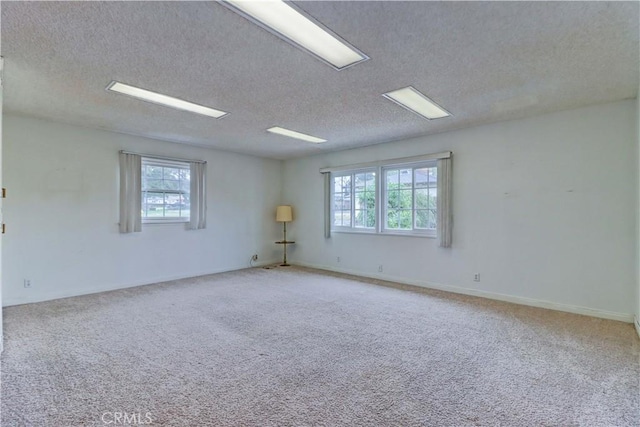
353 228
415 162
157 161
424 232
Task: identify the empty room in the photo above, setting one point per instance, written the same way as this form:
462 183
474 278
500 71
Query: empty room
320 213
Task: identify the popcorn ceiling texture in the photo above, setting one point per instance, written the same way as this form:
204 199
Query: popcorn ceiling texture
483 61
294 347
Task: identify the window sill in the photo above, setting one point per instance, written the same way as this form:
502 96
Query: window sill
393 233
386 233
165 222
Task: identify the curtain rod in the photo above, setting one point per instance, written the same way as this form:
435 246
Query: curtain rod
390 162
153 156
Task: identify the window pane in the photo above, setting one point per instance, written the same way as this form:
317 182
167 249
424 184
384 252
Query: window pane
422 219
433 201
359 220
172 199
165 205
338 201
371 219
152 172
405 200
154 198
393 199
370 197
422 177
172 205
406 219
346 203
171 173
422 198
406 178
392 177
371 181
346 218
154 204
171 184
392 219
360 181
346 184
432 218
360 200
153 184
185 184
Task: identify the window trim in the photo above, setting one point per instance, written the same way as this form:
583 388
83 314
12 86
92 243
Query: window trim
390 162
163 162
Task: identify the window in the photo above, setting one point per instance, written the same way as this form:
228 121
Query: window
410 198
354 200
165 190
160 190
407 196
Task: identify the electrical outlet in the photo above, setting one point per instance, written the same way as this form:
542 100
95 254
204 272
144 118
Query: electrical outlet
380 268
254 257
27 283
476 277
337 259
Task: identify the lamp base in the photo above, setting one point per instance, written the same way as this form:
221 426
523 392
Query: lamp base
285 265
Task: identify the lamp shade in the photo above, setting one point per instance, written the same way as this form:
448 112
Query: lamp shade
284 214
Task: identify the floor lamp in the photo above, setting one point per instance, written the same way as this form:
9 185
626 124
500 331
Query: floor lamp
284 215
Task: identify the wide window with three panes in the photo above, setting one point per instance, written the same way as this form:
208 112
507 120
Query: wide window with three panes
398 198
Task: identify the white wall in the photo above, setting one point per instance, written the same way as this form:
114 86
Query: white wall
62 214
544 210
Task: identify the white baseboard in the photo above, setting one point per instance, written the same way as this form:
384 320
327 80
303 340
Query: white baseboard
622 317
636 323
629 318
67 293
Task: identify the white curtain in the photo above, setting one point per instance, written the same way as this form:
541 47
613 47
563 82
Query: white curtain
445 214
130 193
198 196
327 205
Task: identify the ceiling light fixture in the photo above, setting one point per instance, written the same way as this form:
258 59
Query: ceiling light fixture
292 25
296 135
167 101
411 99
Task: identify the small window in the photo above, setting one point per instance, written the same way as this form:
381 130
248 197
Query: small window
165 191
410 198
354 200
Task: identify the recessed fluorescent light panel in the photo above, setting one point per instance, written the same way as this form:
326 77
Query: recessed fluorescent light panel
296 135
292 25
168 101
415 101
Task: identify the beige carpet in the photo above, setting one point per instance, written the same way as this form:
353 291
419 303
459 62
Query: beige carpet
297 347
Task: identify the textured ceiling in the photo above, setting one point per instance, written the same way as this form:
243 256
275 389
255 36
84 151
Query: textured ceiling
482 61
